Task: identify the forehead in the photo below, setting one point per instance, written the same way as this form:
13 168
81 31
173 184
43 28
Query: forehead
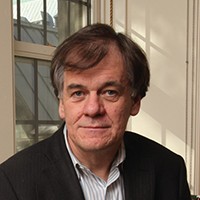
111 68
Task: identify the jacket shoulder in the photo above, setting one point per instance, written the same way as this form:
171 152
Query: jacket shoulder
35 157
146 147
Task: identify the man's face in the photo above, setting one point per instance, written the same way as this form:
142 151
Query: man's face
96 104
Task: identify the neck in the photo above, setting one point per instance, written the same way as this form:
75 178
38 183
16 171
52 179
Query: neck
98 162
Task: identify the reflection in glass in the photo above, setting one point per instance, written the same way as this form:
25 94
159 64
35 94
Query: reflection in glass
24 136
46 130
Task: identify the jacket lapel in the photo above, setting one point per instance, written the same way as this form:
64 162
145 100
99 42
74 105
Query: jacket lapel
58 181
139 176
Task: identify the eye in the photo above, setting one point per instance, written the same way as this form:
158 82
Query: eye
77 95
111 95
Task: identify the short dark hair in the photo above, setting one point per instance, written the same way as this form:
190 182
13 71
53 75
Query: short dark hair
87 47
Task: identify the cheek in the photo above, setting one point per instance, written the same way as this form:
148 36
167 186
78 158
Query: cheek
120 116
72 114
61 110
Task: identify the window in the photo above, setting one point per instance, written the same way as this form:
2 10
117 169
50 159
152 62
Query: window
39 26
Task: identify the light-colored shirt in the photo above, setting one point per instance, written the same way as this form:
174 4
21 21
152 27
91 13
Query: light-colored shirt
95 188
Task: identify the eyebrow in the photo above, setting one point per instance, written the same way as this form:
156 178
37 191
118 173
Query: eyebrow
104 85
75 86
112 83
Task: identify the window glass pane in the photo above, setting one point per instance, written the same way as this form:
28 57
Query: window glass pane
72 16
51 27
47 102
31 33
24 88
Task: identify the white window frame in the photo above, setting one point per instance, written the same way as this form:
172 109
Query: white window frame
7 116
193 95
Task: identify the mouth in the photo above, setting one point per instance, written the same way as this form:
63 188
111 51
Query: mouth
95 127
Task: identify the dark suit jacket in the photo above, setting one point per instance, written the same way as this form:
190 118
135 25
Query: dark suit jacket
45 172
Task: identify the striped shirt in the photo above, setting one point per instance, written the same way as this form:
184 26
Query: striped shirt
95 188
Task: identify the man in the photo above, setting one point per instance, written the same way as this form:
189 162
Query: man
99 77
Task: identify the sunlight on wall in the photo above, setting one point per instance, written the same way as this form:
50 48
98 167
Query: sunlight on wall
146 125
175 143
143 122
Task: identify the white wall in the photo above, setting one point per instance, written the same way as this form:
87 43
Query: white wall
169 33
161 31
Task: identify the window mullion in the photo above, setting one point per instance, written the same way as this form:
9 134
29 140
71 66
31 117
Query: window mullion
36 100
18 20
45 21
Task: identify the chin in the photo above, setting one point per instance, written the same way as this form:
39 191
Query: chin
97 145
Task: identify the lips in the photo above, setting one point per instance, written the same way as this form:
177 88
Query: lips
94 124
95 127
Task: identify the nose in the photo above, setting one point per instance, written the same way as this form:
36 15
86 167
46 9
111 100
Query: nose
94 106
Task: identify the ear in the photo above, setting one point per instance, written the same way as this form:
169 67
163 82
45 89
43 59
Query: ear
136 106
61 109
